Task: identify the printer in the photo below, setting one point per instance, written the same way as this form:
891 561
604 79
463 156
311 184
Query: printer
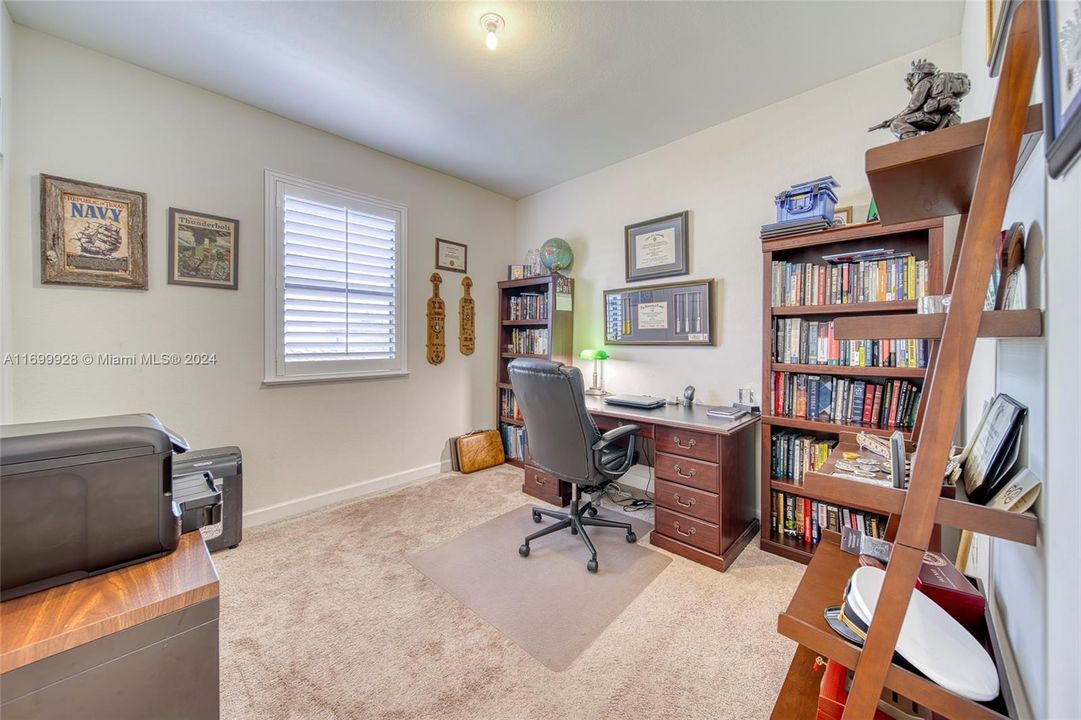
83 497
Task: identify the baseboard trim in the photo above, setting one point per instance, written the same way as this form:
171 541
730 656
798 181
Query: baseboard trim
356 491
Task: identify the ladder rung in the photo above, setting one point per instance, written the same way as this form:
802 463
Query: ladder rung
994 323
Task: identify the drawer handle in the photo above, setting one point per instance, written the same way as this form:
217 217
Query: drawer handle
679 472
690 443
684 534
538 479
689 503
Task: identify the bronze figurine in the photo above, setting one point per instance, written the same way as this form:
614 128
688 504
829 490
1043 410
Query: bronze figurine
935 103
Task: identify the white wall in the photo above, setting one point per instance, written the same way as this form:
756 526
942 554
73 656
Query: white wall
1035 588
727 177
6 82
87 116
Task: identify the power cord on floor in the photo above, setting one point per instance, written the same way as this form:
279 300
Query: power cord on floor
627 502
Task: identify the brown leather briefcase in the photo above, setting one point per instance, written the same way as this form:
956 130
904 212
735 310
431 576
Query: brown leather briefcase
479 450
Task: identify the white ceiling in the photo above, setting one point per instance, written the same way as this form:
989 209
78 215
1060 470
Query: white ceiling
572 88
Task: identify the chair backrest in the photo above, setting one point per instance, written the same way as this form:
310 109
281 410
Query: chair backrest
559 431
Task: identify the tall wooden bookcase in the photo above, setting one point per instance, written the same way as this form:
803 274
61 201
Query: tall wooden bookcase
558 291
913 179
923 239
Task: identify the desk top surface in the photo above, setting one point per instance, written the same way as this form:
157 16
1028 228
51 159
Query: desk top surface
694 417
45 623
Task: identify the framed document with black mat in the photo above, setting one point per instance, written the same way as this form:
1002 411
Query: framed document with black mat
675 314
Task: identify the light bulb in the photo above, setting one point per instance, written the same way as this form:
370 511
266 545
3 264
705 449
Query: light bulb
491 41
492 24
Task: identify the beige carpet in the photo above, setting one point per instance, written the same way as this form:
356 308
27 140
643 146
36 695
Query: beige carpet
323 617
548 603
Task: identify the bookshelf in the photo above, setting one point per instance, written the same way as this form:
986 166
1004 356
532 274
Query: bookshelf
529 305
923 241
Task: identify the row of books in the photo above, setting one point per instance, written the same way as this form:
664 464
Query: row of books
529 306
792 454
804 518
529 342
811 342
879 404
508 405
515 441
899 277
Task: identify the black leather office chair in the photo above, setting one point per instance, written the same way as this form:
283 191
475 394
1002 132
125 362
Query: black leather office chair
563 441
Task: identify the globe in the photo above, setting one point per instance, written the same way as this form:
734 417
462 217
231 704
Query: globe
556 254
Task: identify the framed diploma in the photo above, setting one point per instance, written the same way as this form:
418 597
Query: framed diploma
658 248
450 255
675 314
994 449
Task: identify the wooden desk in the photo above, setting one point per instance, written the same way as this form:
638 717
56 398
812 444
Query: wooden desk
705 488
137 642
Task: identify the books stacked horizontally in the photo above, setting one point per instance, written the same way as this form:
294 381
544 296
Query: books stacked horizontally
871 276
877 404
804 519
508 404
529 306
529 342
727 412
792 454
515 441
794 227
811 342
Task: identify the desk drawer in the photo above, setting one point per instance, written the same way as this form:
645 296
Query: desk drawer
687 443
545 487
689 501
692 531
701 475
605 423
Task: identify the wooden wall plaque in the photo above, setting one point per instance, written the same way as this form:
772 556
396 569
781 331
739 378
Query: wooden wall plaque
467 335
437 316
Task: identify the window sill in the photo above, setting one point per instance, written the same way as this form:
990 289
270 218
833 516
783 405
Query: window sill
344 377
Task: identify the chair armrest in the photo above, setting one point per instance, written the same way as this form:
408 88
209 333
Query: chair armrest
615 434
625 431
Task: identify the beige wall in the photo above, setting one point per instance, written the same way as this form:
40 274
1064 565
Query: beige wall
87 116
727 177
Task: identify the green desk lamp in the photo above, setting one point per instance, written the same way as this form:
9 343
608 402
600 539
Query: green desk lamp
596 356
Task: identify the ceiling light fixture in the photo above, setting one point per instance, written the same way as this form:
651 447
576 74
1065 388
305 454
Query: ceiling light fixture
493 24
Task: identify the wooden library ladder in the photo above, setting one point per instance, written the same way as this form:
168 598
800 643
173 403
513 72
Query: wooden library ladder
947 378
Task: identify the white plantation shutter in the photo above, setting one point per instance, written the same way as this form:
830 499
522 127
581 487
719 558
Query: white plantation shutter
338 286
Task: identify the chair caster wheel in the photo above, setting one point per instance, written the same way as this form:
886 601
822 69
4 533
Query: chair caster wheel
592 512
592 566
536 516
631 537
523 551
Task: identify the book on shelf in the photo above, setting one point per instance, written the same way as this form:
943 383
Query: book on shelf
529 306
799 341
515 441
508 404
792 454
899 276
529 342
804 518
880 404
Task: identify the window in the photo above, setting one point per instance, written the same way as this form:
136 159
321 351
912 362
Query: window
335 283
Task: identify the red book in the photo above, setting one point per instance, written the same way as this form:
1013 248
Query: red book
869 402
891 419
846 296
806 521
950 589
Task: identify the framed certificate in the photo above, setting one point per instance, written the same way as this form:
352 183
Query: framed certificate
994 449
450 255
657 248
675 314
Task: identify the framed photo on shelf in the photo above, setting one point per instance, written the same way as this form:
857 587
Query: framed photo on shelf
658 248
1060 33
998 15
674 314
92 235
203 249
450 255
842 216
994 448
